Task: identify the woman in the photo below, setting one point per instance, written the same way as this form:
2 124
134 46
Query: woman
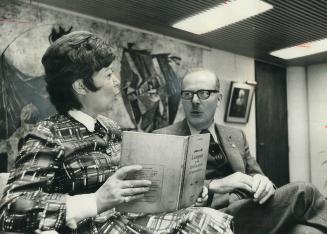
66 171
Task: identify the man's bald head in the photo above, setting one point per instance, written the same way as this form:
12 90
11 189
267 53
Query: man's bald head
201 97
209 73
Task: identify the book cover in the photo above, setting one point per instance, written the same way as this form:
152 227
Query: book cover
175 165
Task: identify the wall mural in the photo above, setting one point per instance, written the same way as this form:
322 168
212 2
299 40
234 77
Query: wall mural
24 99
149 66
151 95
21 88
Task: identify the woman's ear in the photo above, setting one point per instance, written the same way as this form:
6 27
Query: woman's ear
79 87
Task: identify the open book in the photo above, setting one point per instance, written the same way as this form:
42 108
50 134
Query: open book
175 164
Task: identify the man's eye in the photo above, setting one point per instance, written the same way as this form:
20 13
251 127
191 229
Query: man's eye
203 93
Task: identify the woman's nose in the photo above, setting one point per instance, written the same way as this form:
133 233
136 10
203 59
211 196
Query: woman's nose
116 84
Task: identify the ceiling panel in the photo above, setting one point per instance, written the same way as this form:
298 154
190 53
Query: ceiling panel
289 23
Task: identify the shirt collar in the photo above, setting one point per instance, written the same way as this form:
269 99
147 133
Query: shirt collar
83 118
211 129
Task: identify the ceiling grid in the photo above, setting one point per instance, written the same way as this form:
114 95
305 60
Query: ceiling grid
289 23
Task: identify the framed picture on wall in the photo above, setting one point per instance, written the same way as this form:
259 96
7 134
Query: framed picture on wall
239 102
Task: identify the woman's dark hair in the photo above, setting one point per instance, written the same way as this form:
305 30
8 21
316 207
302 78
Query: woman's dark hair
74 56
58 32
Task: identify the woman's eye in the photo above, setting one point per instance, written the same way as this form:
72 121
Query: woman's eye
109 75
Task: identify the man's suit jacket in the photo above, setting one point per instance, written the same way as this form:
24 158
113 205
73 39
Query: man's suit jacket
235 146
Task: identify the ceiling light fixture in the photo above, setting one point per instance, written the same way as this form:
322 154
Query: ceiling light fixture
301 50
222 15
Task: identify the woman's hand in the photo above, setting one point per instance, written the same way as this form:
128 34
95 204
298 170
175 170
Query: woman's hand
202 200
116 190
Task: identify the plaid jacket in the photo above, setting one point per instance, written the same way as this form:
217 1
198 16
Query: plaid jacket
60 156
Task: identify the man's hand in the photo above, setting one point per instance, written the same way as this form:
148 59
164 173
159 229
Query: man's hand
262 188
237 180
202 200
233 197
116 190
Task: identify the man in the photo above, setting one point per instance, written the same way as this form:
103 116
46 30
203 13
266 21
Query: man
235 179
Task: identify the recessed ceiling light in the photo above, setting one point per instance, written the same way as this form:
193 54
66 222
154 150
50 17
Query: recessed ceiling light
222 15
301 50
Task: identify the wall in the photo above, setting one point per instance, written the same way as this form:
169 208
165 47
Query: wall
317 102
298 125
232 67
32 24
307 121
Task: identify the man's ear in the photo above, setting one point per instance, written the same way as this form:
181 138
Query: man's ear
79 87
220 97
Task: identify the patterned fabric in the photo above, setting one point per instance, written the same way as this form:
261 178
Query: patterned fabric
60 156
190 220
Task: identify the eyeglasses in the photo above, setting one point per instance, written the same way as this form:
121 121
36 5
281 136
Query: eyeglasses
202 94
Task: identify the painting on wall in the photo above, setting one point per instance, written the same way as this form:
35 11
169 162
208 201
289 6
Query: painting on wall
23 94
24 99
239 102
151 93
150 88
149 67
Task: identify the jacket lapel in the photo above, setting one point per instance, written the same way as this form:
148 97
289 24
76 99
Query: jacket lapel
233 154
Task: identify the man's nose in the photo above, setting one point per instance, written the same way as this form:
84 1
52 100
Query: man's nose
195 99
